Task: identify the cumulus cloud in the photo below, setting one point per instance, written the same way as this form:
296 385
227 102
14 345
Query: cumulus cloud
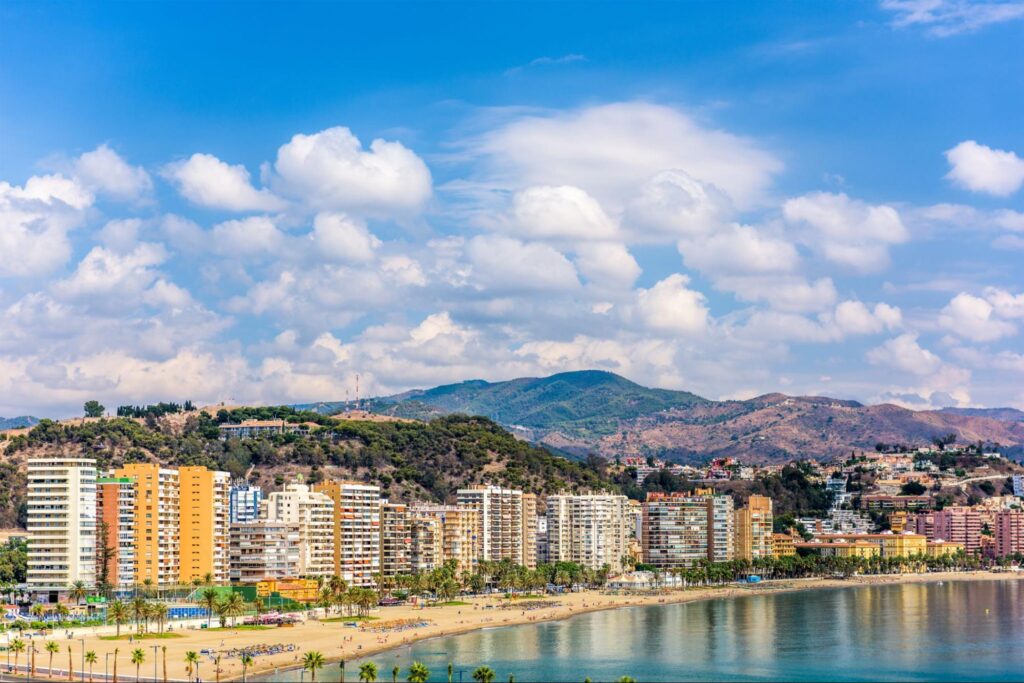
979 168
610 151
671 307
976 318
560 213
782 292
503 264
675 204
739 250
104 171
205 180
607 264
105 273
253 236
330 170
905 354
845 230
340 237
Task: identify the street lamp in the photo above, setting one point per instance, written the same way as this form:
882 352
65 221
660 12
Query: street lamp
82 641
106 666
154 662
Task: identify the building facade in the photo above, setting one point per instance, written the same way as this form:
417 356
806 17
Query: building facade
680 529
957 525
313 513
61 507
452 535
754 529
157 523
395 540
589 529
115 532
204 523
263 550
356 530
244 503
1009 533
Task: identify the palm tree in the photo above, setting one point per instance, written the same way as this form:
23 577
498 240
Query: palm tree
17 647
246 663
90 659
312 661
140 612
627 679
116 651
78 591
209 598
450 670
191 662
234 605
216 667
158 612
52 648
418 673
483 674
163 651
118 612
341 665
71 666
394 673
368 672
138 657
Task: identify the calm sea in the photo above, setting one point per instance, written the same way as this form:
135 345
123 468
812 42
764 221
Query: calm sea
914 632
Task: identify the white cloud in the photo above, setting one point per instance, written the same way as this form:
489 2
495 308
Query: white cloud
1005 304
35 220
253 236
782 292
104 171
607 264
670 306
565 212
739 250
110 277
853 317
503 264
944 18
674 204
847 231
905 354
974 318
331 170
610 151
205 180
979 168
340 237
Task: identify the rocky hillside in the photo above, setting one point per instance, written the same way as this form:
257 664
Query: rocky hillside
599 412
407 459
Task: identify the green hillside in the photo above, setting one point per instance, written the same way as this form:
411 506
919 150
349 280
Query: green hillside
583 403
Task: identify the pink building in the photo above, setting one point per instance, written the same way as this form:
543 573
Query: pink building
1009 532
958 525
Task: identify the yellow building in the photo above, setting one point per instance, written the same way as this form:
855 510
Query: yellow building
841 548
898 521
783 545
157 514
204 524
903 545
754 529
299 590
942 548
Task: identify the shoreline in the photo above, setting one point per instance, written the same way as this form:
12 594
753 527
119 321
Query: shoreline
335 641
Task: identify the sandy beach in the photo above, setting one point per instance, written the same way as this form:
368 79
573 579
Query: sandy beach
335 640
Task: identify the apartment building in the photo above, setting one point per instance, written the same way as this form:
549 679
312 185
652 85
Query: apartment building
679 529
957 525
506 523
447 532
204 523
115 532
889 545
157 515
262 550
314 514
61 507
244 503
754 529
395 539
1009 533
589 529
542 540
356 530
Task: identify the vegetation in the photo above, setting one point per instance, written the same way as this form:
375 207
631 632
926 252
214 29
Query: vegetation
93 409
155 410
311 662
13 561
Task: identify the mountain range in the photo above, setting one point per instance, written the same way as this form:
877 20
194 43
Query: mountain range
18 422
577 413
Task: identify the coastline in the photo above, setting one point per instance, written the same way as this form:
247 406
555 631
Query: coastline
335 641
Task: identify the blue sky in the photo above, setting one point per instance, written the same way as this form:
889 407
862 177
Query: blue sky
258 202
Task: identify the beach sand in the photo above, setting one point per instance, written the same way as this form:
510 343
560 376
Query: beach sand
335 641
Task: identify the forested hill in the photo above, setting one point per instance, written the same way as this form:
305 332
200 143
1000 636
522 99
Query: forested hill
407 459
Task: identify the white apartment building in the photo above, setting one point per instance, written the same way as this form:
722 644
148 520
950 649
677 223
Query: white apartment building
61 524
395 540
356 530
263 550
507 523
590 529
313 513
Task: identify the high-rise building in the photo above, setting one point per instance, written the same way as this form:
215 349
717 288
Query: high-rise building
1009 533
356 530
204 524
542 539
244 503
957 525
61 507
1018 485
313 513
453 534
506 523
590 529
264 550
157 523
754 529
680 529
115 532
395 539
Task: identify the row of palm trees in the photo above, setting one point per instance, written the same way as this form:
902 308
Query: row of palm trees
138 658
313 661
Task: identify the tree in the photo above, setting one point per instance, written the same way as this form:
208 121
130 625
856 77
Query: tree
913 488
312 661
191 662
394 673
71 666
451 669
93 409
90 659
77 591
208 599
418 673
51 648
117 651
232 606
17 646
118 612
483 674
163 651
368 672
627 679
246 663
138 658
